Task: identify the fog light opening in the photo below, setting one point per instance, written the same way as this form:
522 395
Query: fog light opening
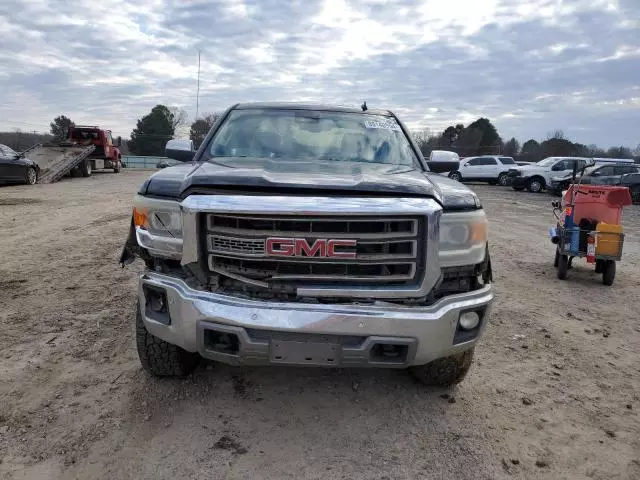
469 320
157 302
222 342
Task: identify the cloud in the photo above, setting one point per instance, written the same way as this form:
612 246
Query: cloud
531 66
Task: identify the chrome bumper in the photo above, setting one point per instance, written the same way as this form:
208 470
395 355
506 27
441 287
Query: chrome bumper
351 330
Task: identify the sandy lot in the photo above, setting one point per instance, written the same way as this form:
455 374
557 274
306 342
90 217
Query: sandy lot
554 392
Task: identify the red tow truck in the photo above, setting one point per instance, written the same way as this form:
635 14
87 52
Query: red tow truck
105 154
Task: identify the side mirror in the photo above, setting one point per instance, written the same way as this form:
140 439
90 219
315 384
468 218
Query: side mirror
119 141
441 161
181 150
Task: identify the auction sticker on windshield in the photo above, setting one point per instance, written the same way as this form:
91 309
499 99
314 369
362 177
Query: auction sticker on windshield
382 125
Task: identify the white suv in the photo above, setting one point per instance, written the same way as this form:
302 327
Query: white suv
486 168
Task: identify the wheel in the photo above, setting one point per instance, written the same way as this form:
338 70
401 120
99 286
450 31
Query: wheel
563 266
503 179
161 358
609 273
535 185
116 169
557 259
518 189
600 264
85 168
445 371
31 177
455 176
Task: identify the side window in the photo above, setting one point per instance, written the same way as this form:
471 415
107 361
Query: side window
507 161
608 170
622 169
489 161
2 153
474 162
109 139
559 166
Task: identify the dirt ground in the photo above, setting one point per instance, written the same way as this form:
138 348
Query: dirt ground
554 392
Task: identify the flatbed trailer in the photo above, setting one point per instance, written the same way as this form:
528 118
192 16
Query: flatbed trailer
57 160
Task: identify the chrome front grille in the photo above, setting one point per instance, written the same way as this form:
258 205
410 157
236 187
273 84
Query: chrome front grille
387 249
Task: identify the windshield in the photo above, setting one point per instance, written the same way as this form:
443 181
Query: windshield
10 152
547 162
312 135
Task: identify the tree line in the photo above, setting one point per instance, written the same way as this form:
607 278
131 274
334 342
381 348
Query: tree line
480 137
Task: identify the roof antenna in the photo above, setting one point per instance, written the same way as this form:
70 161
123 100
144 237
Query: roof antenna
364 106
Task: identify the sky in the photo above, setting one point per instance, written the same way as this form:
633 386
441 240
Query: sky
531 66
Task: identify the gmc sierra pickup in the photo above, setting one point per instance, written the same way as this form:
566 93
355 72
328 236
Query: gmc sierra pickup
309 235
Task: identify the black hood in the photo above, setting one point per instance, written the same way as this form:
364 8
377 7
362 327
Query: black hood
285 176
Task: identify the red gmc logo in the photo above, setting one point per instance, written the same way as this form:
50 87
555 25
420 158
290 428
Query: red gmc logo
299 247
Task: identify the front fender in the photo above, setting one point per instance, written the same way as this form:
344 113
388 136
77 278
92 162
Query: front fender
132 249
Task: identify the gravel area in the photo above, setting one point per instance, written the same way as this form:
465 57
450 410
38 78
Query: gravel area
554 392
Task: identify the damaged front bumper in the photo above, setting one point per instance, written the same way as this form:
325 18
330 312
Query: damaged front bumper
241 331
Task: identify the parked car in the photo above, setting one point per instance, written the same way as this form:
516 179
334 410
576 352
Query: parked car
537 177
632 180
16 167
600 174
486 168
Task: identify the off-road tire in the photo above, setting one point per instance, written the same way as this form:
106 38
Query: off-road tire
503 179
444 372
535 185
563 266
31 176
161 358
85 168
609 273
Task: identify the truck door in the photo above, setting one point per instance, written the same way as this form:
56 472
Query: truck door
108 145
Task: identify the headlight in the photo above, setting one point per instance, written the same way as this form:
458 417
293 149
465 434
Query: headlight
463 238
158 226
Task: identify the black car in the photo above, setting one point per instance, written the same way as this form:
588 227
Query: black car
17 168
599 174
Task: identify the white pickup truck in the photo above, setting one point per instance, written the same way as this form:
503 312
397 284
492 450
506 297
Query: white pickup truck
538 176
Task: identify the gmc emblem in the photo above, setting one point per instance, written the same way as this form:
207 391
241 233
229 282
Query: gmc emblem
299 247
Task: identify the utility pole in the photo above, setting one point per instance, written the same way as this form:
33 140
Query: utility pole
198 93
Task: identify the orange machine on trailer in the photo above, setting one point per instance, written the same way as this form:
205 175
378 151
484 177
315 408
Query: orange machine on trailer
106 154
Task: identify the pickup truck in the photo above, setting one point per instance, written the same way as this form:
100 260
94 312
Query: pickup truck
309 235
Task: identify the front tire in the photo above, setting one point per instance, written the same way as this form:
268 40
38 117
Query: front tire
535 185
503 179
444 372
31 176
455 176
563 266
160 358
